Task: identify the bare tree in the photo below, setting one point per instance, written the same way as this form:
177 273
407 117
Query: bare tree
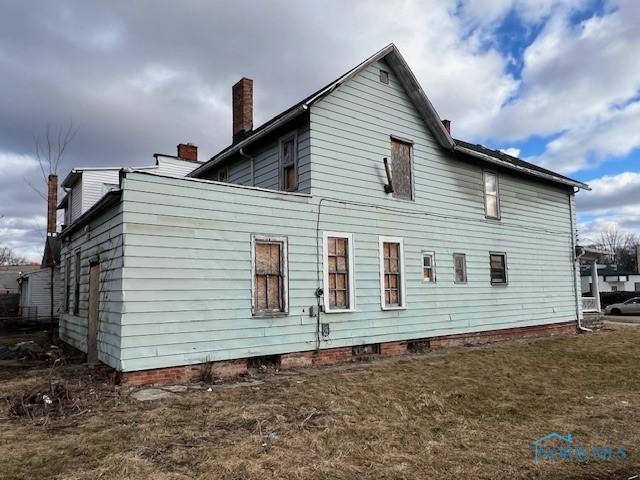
622 246
9 257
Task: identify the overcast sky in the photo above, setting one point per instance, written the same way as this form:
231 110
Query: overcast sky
556 83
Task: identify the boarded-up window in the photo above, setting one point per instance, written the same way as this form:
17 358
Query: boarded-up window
391 272
491 197
401 169
76 289
498 265
460 267
338 265
288 164
269 275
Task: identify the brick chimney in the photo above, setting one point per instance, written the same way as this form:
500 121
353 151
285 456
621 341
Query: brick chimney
188 151
447 125
242 94
52 204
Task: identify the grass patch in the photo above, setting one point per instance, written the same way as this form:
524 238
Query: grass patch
463 414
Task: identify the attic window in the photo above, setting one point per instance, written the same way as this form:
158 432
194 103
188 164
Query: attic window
384 77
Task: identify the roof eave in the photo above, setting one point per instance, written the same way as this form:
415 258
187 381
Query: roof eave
109 199
528 171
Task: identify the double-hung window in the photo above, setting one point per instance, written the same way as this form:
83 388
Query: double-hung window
270 294
339 295
393 294
428 267
491 195
459 268
498 266
288 164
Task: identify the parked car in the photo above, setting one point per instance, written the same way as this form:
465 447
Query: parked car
630 306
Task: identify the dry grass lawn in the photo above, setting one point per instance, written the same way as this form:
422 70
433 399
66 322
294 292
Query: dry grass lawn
467 414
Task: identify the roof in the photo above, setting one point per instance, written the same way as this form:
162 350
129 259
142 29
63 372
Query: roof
394 59
110 198
585 271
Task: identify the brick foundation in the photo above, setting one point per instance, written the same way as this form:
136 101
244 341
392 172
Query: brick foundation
226 369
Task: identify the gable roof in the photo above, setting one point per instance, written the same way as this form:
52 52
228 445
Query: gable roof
397 63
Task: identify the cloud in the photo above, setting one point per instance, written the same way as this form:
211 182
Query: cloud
514 152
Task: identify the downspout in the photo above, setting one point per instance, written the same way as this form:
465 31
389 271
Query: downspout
253 176
573 268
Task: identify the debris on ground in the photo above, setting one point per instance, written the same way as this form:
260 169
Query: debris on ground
31 350
148 394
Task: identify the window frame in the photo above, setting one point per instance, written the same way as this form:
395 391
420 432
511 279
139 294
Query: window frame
284 268
411 144
223 172
498 215
350 265
67 284
281 165
466 277
506 270
402 283
77 263
431 254
384 77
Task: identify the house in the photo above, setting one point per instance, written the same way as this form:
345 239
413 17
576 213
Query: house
610 279
9 275
352 222
85 186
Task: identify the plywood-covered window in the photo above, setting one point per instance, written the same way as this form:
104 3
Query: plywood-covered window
428 267
339 295
288 164
498 266
269 275
76 285
491 195
402 169
392 273
459 268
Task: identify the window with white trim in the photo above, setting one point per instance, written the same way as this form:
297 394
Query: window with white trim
491 195
428 267
459 268
498 267
269 275
392 273
339 293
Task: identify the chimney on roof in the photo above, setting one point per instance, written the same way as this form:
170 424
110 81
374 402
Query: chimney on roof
52 204
188 151
447 125
242 94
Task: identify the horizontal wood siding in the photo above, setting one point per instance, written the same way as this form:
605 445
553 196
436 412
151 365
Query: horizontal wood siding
102 238
188 273
93 185
266 164
175 166
37 296
75 202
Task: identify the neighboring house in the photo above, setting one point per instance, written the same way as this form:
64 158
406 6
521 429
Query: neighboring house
610 279
85 186
9 277
351 222
36 294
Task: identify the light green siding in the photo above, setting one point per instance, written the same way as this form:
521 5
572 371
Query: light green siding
101 238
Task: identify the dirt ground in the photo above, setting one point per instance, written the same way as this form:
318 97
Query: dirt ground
470 413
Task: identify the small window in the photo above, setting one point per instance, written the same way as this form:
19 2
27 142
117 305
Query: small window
223 175
76 288
392 273
614 288
67 284
288 164
338 272
270 276
637 286
384 77
460 268
491 196
498 265
401 169
428 267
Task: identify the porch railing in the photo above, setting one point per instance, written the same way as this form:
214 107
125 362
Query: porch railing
589 304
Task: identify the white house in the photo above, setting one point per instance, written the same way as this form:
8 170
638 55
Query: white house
610 279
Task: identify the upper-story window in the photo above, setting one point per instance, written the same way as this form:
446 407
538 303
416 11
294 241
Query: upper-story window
223 174
491 195
288 164
402 169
